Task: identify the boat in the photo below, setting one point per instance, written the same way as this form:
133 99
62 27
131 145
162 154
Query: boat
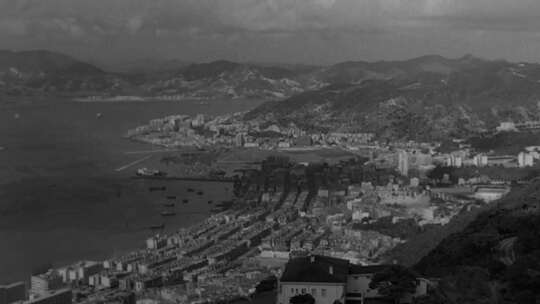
162 188
168 213
217 209
210 202
99 115
156 227
149 172
190 190
171 197
168 204
185 201
200 193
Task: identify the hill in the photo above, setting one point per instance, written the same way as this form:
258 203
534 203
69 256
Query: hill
43 72
498 254
425 98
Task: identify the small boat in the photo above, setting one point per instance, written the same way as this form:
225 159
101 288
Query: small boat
210 202
16 116
168 204
185 201
162 188
156 227
217 209
168 213
171 197
190 190
99 115
150 173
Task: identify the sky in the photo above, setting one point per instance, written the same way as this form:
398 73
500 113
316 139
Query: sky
289 31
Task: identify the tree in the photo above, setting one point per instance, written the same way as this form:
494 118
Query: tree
302 299
394 282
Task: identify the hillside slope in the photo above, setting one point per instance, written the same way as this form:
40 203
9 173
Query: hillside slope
425 98
498 254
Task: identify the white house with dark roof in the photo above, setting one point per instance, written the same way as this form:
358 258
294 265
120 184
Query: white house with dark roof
330 279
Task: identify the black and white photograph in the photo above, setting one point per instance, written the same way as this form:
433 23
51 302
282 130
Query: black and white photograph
269 151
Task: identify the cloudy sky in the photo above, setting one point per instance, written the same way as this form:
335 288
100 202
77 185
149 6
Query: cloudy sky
306 31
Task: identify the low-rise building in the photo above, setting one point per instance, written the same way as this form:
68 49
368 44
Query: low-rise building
330 280
62 296
45 282
490 193
14 292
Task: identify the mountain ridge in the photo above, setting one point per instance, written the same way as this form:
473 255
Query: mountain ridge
394 99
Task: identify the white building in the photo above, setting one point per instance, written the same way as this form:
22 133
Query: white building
480 160
330 279
489 194
403 162
506 126
525 160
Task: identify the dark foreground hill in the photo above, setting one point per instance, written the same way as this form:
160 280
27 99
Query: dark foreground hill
496 258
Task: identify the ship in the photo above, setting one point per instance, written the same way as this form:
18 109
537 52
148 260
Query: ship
168 213
210 202
99 115
148 172
157 227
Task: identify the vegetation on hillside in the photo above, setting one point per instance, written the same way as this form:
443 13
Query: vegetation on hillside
496 258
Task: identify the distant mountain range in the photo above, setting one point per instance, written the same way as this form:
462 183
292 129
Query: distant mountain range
429 97
425 98
44 72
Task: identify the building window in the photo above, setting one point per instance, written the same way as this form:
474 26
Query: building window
313 292
303 291
292 290
296 291
323 292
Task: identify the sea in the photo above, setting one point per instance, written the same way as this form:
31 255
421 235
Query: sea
61 197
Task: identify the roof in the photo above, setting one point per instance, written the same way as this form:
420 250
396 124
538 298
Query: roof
316 269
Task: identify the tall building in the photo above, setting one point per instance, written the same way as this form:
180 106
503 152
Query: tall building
525 160
403 162
239 140
45 282
12 293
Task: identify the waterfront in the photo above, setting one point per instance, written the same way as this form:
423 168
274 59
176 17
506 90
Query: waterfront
60 197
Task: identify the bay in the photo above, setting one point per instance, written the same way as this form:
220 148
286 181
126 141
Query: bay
61 199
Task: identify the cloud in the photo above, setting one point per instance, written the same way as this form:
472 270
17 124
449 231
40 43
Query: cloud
13 27
208 28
